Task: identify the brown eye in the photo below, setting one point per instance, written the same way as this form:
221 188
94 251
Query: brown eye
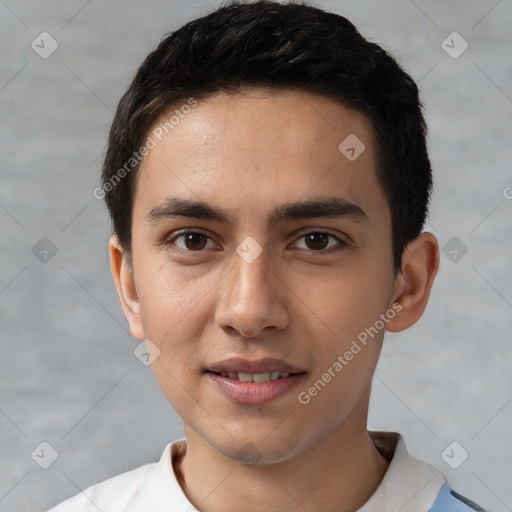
316 241
192 241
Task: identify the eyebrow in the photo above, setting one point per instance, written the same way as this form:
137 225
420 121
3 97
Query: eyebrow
329 207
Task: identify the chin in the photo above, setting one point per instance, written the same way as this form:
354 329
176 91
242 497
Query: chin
251 450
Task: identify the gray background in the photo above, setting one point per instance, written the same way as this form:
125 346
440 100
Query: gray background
68 375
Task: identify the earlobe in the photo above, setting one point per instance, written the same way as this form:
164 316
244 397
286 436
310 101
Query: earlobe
420 262
123 275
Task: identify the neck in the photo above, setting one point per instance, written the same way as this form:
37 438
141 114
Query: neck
339 473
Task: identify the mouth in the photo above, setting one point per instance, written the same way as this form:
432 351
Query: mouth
236 366
254 382
254 377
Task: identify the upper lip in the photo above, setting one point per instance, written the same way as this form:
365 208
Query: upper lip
238 364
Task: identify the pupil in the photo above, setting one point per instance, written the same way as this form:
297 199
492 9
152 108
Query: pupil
315 237
193 239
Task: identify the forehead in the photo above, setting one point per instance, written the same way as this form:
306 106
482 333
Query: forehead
271 145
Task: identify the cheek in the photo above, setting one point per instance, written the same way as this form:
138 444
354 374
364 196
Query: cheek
172 313
351 328
174 377
347 348
170 300
350 301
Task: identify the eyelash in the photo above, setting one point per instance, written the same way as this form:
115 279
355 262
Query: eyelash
341 243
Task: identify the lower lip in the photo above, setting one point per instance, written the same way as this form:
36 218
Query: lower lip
255 393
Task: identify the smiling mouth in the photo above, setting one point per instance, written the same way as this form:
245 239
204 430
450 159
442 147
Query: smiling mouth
254 377
254 383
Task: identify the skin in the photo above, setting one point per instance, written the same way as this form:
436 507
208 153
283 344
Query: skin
201 302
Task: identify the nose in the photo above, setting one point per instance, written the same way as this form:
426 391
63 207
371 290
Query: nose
252 298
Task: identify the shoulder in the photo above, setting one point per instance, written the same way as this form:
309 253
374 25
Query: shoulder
449 500
111 494
149 488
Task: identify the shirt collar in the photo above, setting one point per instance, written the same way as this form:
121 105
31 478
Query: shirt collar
409 484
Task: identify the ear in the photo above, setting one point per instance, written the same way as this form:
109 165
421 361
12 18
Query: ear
420 262
121 267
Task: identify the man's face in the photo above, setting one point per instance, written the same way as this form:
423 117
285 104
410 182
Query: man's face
295 288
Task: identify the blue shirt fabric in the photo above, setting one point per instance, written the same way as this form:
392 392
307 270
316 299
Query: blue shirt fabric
450 501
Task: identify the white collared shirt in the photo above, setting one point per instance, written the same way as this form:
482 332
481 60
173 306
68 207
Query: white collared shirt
409 485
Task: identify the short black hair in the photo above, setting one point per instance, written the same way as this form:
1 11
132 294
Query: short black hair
281 46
